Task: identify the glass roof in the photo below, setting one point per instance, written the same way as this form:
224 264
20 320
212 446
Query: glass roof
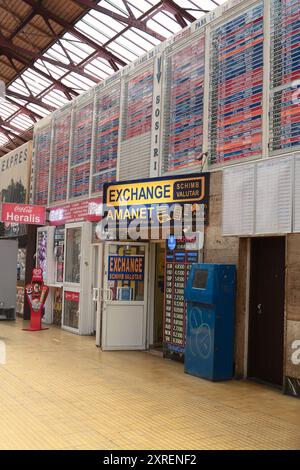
73 63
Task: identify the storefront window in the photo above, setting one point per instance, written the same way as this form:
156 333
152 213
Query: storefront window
59 241
42 253
71 309
126 270
73 255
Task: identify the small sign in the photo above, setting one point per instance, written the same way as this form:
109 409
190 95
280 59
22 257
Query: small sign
165 190
90 209
71 296
171 242
126 268
23 214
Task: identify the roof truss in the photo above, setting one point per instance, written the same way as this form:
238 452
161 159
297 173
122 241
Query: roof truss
43 79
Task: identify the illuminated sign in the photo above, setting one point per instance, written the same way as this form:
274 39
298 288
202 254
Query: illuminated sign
23 214
126 268
158 191
143 199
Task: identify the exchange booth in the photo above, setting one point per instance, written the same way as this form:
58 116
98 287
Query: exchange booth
139 274
210 296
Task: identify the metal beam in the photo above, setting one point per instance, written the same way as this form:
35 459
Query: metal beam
30 99
9 133
172 7
45 13
33 114
20 52
11 126
64 88
130 21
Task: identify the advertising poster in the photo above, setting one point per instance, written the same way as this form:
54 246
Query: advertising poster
14 184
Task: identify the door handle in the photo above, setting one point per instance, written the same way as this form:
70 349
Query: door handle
107 295
259 309
95 294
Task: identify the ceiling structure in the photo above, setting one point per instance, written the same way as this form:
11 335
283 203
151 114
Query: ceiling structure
53 50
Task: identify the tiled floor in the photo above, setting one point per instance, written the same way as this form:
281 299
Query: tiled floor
58 391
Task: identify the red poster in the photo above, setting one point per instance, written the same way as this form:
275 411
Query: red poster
23 214
90 210
71 296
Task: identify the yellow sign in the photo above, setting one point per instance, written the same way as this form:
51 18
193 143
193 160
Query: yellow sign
183 189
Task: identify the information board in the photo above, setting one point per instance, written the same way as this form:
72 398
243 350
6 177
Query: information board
139 105
285 75
59 176
81 150
236 80
185 117
106 138
42 142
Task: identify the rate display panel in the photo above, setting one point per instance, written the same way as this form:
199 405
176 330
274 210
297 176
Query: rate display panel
177 268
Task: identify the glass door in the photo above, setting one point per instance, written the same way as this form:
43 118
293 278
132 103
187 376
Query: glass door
72 276
125 296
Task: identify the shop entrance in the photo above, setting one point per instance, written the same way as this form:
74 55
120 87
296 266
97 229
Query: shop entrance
124 296
266 313
159 287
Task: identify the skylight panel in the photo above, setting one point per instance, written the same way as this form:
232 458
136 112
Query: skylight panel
137 38
123 53
22 121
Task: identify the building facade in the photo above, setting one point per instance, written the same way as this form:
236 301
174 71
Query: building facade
220 97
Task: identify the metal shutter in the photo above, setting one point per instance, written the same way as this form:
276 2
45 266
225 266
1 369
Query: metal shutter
238 200
274 183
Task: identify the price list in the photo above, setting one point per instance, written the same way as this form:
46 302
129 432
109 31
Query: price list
177 267
285 74
185 88
236 79
41 165
59 176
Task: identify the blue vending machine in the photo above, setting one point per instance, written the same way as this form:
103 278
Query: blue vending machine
210 296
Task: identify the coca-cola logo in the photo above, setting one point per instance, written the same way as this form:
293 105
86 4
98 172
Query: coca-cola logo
24 209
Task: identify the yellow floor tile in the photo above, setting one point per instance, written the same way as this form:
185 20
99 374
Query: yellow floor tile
58 391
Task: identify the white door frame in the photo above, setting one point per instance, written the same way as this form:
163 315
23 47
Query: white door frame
105 297
71 286
97 288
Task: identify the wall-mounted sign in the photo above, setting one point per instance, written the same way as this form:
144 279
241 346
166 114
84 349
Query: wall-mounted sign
71 296
171 242
126 268
14 184
142 199
90 209
23 214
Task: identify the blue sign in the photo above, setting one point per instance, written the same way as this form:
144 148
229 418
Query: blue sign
126 268
171 242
